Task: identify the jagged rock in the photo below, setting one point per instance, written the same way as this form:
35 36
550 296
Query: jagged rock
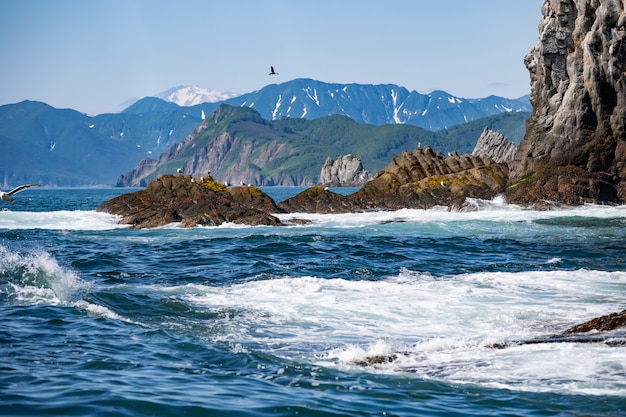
346 171
317 200
574 150
423 179
494 145
176 198
418 179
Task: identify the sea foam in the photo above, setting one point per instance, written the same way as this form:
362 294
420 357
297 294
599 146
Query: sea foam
444 327
59 220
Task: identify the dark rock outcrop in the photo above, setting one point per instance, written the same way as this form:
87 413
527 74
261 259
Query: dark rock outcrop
318 200
176 198
574 150
420 179
345 171
423 179
494 145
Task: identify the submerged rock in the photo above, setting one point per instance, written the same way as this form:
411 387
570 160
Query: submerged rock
599 327
176 198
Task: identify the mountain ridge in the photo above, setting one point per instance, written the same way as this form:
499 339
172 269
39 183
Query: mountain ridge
368 103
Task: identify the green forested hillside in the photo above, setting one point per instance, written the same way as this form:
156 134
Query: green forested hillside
237 144
462 138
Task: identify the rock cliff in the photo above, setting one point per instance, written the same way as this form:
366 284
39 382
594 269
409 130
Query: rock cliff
346 171
574 150
494 145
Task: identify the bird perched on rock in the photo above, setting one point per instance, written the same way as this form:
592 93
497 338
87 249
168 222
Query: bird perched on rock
8 196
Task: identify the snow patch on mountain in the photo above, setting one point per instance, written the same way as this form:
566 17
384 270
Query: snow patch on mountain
192 95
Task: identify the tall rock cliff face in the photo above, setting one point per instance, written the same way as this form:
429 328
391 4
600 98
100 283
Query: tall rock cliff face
574 150
346 171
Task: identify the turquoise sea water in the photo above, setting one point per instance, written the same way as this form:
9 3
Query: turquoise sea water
98 319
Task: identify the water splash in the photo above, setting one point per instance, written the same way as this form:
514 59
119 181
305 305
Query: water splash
37 278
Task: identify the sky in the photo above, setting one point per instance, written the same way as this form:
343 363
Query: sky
96 55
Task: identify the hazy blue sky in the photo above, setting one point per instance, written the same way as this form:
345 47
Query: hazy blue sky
94 55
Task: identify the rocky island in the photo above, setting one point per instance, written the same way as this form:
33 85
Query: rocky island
574 150
192 202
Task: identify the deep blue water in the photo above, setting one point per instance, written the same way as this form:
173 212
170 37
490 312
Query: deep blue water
98 319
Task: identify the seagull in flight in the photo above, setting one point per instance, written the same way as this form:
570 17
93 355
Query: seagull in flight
8 196
272 72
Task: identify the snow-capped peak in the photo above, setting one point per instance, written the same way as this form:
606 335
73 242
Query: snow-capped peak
192 95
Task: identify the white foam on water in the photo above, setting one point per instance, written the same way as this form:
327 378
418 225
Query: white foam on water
496 211
59 220
439 327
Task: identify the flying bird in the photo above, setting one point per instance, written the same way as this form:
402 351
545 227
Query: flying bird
272 72
8 196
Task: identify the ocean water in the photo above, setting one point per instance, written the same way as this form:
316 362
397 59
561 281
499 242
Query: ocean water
101 320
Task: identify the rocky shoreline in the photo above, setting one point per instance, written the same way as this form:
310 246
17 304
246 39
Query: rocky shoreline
421 179
574 150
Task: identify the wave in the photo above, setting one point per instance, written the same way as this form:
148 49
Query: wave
37 278
437 327
440 327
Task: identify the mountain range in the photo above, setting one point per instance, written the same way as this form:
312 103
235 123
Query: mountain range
364 103
373 104
63 147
